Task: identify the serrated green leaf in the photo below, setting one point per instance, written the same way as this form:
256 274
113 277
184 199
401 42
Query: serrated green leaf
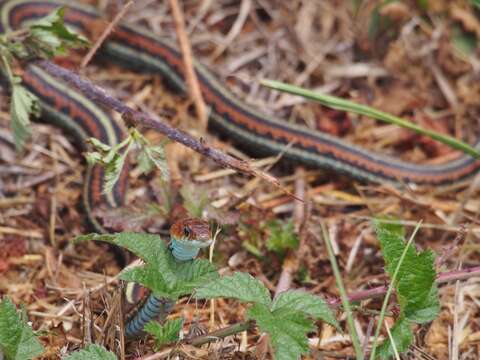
92 352
166 333
50 37
153 156
401 334
17 340
416 288
162 273
145 165
112 159
170 278
22 105
310 305
98 145
93 157
415 285
241 286
113 169
287 329
281 236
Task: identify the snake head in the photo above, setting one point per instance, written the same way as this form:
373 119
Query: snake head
194 231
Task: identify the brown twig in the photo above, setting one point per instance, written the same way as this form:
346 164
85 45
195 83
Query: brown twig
104 35
191 77
291 262
134 117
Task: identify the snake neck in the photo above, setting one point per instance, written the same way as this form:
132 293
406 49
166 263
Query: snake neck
184 250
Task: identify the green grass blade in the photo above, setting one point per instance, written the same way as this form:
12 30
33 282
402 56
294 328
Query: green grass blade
343 293
346 105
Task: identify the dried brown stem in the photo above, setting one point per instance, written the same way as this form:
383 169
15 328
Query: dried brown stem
104 35
190 76
291 262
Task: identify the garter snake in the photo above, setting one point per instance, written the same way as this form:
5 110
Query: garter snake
138 48
187 237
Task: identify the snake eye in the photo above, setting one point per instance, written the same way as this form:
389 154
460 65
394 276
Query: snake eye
186 231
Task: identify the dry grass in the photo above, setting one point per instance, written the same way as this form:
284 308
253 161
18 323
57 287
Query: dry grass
410 69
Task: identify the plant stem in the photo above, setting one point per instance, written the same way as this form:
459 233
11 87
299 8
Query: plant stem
343 294
222 333
8 69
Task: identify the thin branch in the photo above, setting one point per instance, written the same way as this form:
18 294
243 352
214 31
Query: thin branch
292 260
191 77
139 118
104 35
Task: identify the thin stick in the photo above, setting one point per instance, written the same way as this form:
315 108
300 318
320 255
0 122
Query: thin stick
139 118
190 76
291 262
104 35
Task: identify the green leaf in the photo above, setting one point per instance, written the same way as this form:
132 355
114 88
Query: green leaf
50 37
97 144
162 274
416 287
241 286
153 156
166 333
476 3
150 156
17 340
22 105
310 305
113 169
111 158
281 236
145 246
287 329
402 335
93 157
92 352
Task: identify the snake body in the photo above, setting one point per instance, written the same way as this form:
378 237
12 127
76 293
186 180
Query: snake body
138 48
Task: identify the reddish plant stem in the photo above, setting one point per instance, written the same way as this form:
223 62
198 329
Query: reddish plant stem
381 290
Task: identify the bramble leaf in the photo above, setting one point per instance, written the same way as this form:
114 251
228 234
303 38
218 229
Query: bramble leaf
166 333
287 328
50 37
17 340
153 156
92 352
241 286
22 105
311 305
161 273
113 169
403 337
415 285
